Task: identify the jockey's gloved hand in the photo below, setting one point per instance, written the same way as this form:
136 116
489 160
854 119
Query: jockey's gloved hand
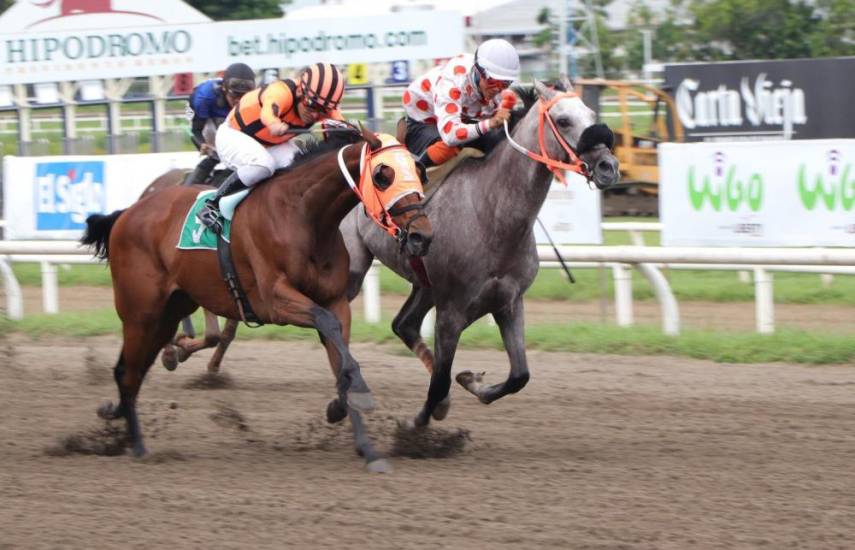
499 118
278 128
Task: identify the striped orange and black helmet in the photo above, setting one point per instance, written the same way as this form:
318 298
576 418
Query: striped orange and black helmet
323 85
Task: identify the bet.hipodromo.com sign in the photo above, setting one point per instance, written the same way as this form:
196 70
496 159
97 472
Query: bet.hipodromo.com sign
152 49
766 193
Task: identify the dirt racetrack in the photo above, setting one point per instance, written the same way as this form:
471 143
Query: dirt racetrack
597 451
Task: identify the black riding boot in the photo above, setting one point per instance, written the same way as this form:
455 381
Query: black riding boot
210 213
200 174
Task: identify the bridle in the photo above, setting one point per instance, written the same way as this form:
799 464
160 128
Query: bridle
557 167
383 218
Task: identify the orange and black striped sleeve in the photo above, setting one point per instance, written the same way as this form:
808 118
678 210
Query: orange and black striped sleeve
276 100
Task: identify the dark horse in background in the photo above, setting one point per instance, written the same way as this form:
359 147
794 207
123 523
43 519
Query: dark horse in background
485 257
290 258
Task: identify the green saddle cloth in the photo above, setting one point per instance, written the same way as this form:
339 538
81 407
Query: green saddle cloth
194 234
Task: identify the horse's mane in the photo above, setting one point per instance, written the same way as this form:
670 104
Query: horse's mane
529 96
314 147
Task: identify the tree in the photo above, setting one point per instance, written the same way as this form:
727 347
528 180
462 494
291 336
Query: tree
238 9
711 30
5 4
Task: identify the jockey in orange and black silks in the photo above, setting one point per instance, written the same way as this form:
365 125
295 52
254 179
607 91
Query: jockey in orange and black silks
458 103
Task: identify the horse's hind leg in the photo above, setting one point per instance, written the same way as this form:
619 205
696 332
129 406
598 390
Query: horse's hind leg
407 325
511 321
141 343
187 346
226 337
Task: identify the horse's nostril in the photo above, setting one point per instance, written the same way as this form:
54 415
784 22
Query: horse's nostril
416 238
605 167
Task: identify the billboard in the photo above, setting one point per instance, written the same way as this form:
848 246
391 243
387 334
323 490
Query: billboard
789 99
784 193
571 214
157 49
51 197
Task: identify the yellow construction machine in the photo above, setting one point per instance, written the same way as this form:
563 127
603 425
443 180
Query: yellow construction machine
641 117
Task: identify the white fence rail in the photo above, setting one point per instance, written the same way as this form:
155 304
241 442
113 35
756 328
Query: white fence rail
648 260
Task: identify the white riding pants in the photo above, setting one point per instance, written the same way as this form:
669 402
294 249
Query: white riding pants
251 160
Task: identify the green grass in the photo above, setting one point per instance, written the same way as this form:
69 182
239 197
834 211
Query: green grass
591 284
721 346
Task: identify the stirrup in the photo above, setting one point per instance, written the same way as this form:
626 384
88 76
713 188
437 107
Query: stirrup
210 215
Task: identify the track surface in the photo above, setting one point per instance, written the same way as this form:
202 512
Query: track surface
597 451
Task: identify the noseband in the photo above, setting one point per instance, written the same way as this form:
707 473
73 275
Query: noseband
557 167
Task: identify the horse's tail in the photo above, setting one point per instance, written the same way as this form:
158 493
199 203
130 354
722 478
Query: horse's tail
97 232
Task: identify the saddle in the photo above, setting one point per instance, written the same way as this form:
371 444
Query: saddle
437 174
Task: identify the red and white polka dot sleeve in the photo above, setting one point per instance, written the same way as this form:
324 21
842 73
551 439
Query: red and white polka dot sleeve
448 109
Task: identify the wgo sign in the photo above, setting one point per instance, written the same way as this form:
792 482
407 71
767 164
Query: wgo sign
67 193
770 193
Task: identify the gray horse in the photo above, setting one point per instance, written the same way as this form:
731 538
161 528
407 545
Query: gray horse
484 256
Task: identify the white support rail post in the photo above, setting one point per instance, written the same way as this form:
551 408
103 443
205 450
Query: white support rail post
764 304
623 295
426 330
14 298
667 301
50 288
371 295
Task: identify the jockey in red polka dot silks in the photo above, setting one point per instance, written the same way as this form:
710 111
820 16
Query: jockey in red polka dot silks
458 103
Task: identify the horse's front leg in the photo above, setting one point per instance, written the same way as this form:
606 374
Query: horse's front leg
511 321
293 308
449 326
407 326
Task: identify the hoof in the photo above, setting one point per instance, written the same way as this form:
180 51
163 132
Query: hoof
379 466
182 354
108 411
138 450
361 401
335 412
169 357
468 379
442 408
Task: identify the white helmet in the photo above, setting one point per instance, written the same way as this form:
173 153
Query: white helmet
498 59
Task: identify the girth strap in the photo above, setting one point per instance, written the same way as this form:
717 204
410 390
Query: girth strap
230 276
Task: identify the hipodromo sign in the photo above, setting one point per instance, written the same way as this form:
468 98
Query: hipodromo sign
770 193
52 56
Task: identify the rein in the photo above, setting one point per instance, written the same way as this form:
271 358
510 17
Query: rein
555 166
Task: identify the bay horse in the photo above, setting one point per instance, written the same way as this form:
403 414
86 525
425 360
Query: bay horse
289 256
485 258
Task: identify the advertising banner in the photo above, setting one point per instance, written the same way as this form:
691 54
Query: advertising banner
784 193
62 55
788 99
571 214
50 197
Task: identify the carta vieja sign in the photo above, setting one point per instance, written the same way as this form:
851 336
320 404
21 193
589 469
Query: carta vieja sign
789 99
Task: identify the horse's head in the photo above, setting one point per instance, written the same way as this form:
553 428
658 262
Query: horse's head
391 187
573 122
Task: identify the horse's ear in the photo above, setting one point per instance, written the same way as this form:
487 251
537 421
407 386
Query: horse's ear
369 136
542 90
565 82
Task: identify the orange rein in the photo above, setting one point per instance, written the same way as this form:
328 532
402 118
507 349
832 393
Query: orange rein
555 166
